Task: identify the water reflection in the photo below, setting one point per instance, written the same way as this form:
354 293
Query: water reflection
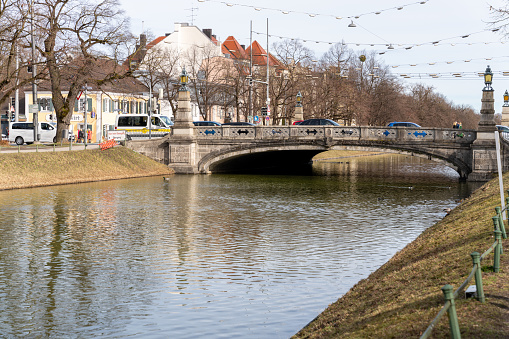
207 256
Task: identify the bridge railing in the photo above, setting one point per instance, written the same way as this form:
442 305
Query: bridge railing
449 305
337 133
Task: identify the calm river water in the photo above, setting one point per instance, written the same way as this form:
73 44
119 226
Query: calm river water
207 256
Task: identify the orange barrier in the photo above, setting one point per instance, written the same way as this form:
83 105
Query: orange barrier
107 144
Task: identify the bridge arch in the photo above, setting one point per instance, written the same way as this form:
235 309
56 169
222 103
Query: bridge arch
245 158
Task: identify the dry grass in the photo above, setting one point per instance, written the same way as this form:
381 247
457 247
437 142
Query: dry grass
401 298
22 170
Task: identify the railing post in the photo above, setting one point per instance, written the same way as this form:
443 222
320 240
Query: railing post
496 226
476 258
498 251
501 222
453 318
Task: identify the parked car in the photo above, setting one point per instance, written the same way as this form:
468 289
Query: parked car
23 132
238 123
297 122
502 128
319 122
206 123
403 124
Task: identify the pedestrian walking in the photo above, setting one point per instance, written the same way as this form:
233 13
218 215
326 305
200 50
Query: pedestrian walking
80 135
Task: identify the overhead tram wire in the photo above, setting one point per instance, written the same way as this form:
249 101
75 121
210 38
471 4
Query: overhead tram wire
399 46
313 15
448 75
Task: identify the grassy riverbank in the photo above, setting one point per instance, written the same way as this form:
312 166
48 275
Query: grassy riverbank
401 298
22 170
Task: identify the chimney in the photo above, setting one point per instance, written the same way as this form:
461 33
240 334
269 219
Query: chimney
143 46
143 40
208 32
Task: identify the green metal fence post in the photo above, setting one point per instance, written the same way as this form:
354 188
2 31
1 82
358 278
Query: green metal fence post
498 251
453 318
501 222
476 258
496 225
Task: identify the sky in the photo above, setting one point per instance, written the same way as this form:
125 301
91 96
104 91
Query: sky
454 39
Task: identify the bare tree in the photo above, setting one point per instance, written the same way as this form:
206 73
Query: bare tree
14 48
207 76
287 79
77 37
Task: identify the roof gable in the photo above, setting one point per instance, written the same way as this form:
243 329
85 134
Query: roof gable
232 47
260 55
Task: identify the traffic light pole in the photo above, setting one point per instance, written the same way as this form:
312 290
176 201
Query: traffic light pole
85 133
34 74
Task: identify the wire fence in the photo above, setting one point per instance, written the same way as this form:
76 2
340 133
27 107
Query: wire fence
449 296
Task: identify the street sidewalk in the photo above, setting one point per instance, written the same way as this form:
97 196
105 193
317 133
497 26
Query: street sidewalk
48 148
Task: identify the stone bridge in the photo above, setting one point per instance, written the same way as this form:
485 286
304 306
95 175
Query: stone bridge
193 150
244 148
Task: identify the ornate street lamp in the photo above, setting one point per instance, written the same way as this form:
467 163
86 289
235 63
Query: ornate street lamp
183 81
299 100
506 99
488 77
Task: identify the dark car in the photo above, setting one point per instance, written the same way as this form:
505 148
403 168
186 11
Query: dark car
403 124
238 123
319 122
206 123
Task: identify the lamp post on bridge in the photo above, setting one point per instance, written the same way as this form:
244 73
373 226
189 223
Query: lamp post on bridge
484 157
299 110
505 109
487 123
183 126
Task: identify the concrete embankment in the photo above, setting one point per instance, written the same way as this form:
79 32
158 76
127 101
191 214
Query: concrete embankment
23 170
402 298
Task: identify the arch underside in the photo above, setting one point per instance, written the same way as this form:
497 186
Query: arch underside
297 158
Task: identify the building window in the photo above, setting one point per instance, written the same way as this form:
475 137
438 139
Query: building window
79 105
107 105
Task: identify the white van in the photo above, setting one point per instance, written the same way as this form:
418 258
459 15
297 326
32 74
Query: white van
23 132
136 126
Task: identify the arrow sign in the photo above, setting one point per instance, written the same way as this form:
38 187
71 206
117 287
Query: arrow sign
207 132
246 132
423 134
311 132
